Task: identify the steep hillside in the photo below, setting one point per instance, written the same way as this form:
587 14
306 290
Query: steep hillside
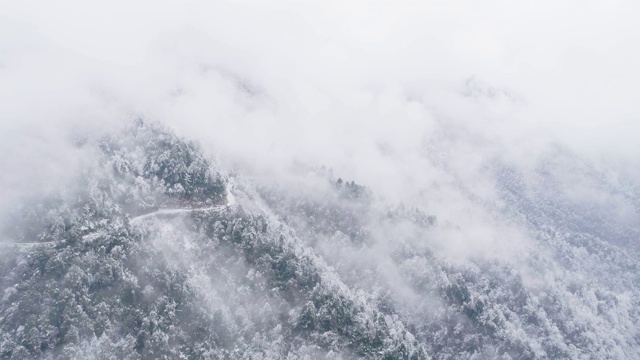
156 252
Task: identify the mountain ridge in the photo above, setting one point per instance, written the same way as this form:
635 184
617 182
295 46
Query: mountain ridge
157 252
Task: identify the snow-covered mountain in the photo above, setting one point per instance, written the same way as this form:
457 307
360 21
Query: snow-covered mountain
155 251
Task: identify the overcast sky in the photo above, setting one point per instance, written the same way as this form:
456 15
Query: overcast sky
384 92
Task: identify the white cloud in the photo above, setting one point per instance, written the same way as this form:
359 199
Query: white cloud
377 90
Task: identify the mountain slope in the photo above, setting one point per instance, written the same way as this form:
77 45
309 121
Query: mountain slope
156 252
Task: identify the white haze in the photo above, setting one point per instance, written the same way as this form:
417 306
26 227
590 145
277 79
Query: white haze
410 98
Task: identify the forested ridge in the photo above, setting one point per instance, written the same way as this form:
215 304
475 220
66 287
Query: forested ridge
158 252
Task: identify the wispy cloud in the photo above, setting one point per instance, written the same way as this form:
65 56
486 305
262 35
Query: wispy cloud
411 98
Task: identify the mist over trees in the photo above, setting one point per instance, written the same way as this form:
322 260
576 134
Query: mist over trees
157 252
319 180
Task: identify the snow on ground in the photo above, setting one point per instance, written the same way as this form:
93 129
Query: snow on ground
231 199
138 219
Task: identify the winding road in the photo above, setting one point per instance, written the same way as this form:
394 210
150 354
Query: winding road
138 219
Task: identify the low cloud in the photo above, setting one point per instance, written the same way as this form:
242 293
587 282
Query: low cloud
412 99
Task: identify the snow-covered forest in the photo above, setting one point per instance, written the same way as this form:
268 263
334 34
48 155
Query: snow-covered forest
156 252
337 180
